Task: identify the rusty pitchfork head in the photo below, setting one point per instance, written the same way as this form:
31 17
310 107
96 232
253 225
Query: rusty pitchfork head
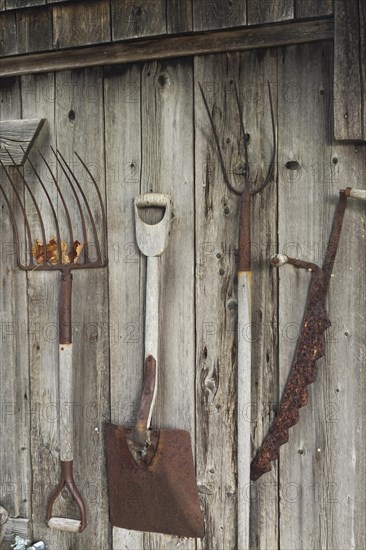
88 222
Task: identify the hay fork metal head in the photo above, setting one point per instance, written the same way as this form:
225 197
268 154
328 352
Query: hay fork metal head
245 137
61 252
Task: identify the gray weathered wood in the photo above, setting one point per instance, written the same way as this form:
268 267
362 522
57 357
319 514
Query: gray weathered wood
216 241
349 70
317 468
20 527
43 294
126 281
21 4
16 135
82 94
8 34
168 47
218 14
313 8
269 11
81 23
34 30
14 360
179 16
166 118
133 18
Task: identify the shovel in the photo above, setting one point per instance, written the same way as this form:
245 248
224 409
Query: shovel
151 478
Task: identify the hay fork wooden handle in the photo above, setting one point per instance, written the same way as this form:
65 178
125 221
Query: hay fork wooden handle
152 241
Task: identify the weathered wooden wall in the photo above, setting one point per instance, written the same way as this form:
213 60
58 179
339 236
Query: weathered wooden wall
142 127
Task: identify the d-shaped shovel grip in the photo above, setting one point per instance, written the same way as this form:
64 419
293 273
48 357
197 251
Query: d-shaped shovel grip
152 239
358 194
66 524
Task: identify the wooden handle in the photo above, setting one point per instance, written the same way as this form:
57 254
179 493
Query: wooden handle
66 403
65 524
358 194
244 232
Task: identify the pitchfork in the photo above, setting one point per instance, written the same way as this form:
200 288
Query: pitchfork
244 303
64 256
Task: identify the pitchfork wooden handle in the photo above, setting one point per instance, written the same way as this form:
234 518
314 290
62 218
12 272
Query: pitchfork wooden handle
244 232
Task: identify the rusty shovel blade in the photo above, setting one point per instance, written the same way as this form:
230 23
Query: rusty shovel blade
160 496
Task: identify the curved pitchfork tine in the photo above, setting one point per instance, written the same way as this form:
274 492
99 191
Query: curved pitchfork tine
85 235
34 202
91 217
221 159
104 216
58 234
13 222
25 219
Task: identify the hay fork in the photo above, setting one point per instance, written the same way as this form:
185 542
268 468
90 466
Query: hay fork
244 300
61 255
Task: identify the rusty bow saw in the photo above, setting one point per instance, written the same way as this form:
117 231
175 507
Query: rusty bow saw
310 344
246 193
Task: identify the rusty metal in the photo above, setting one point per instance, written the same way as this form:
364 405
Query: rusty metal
160 496
67 481
246 193
48 263
310 347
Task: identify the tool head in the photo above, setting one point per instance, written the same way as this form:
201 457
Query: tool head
159 495
152 239
63 251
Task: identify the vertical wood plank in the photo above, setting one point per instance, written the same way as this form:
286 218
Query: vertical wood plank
349 70
255 71
268 11
314 8
8 34
179 16
38 95
81 24
34 29
218 14
133 18
317 467
216 242
80 127
168 167
126 288
15 450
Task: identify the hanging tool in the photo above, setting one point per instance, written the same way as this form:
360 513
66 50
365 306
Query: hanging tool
64 256
151 477
309 348
244 305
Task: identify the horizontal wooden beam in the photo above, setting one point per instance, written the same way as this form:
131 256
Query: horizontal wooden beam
164 47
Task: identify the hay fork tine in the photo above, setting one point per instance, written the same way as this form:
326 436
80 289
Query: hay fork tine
58 234
91 217
29 235
13 222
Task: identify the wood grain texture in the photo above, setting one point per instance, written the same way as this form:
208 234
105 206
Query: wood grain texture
169 47
21 4
81 23
317 468
122 108
218 14
38 94
17 138
167 124
15 449
179 15
349 70
8 34
133 18
268 11
313 8
216 312
34 29
82 131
